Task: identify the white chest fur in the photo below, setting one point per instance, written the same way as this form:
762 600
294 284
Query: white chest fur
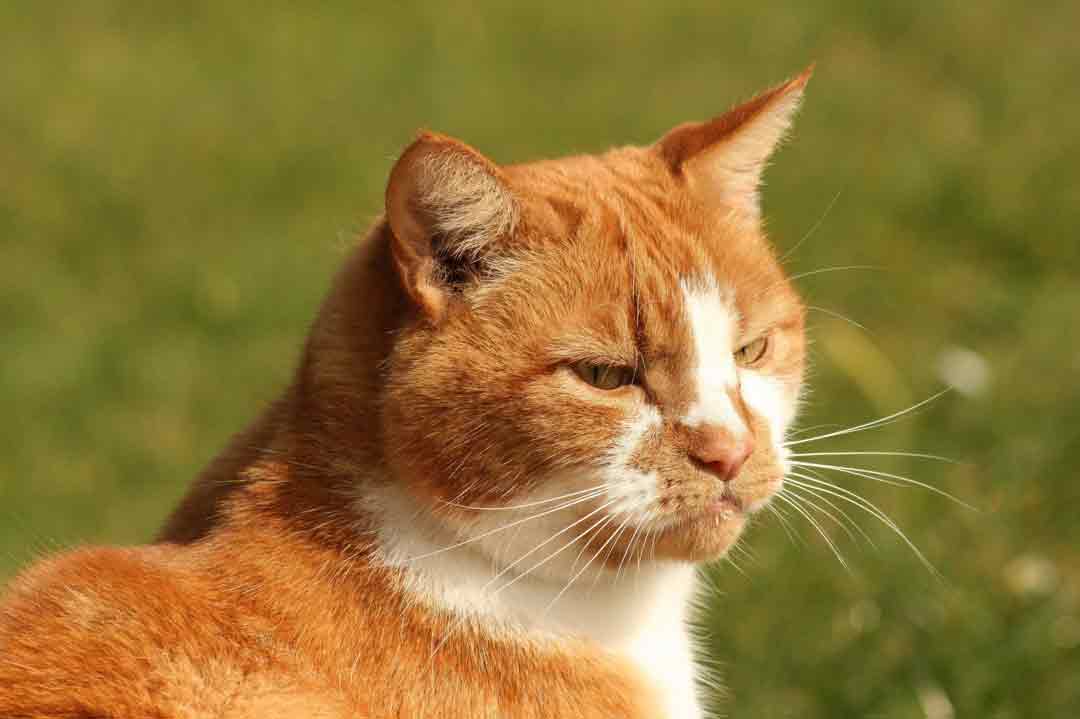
642 616
662 646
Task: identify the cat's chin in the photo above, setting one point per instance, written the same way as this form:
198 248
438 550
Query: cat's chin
704 536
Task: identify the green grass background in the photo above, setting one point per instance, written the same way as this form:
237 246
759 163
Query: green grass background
179 180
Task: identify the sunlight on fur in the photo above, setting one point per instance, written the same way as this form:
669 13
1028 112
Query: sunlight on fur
537 398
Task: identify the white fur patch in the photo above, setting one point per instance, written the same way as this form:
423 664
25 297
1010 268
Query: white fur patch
713 324
661 644
766 397
642 616
633 492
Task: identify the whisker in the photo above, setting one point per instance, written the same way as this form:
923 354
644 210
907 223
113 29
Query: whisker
788 499
708 578
579 573
807 467
585 545
540 546
734 565
878 475
813 228
515 523
916 455
628 551
595 526
873 423
641 555
655 541
837 315
810 273
809 502
820 497
838 268
618 533
743 553
788 530
811 428
537 503
872 509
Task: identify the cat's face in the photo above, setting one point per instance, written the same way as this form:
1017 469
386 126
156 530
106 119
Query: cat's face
605 347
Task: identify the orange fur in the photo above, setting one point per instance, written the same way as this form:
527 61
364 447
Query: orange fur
437 364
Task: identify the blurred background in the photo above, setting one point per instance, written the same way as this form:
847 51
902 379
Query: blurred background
178 181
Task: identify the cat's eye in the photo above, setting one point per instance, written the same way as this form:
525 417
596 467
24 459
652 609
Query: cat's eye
604 376
750 354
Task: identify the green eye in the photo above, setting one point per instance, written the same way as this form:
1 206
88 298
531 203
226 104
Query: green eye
604 376
750 354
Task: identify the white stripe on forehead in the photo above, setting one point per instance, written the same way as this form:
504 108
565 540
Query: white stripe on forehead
714 321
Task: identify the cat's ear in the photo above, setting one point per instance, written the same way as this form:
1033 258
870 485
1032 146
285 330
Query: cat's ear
445 203
723 158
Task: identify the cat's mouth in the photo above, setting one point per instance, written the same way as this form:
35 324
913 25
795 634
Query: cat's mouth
732 502
704 521
726 505
722 507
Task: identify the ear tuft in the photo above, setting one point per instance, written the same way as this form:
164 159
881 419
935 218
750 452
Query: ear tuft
724 158
445 203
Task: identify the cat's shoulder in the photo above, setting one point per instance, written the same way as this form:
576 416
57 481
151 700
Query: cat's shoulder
75 594
81 631
132 632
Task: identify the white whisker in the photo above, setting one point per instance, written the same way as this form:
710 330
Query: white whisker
871 424
734 565
839 268
537 503
585 545
790 500
515 523
916 455
878 475
640 555
629 551
813 228
579 573
872 509
597 525
820 497
540 546
618 533
810 273
837 315
811 428
788 530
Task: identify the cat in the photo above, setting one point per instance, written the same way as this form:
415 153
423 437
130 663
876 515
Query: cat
536 397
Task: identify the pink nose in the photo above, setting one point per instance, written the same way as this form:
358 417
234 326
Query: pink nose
722 453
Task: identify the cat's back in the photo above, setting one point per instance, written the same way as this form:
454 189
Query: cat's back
140 632
168 632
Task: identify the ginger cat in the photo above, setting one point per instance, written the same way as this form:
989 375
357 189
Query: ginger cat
535 397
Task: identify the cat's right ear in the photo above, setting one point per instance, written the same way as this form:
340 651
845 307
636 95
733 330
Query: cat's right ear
723 159
445 203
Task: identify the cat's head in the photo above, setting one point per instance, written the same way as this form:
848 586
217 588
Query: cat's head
609 340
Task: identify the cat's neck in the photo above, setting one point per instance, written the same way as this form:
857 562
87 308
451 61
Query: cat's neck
640 613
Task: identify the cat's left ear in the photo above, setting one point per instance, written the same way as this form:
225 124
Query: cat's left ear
446 204
723 159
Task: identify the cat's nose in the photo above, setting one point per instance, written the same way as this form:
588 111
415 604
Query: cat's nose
723 453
